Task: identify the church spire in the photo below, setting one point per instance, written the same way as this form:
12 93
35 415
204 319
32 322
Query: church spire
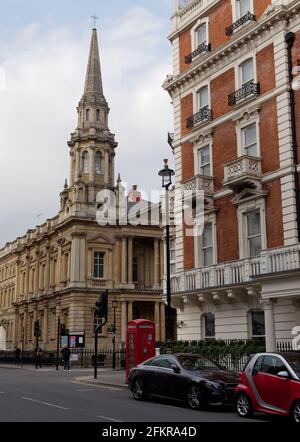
93 81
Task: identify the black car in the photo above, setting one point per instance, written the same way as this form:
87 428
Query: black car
184 377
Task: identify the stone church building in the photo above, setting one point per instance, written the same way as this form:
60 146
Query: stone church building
58 270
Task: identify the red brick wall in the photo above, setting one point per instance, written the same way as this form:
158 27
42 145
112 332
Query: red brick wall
219 19
187 155
189 251
266 69
224 150
220 88
227 230
274 214
269 143
260 6
185 48
186 112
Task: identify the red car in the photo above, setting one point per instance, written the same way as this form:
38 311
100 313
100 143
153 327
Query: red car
270 383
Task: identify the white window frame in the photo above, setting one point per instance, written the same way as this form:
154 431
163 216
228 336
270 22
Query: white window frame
243 210
198 149
195 96
173 249
208 219
104 264
240 128
240 79
200 22
235 11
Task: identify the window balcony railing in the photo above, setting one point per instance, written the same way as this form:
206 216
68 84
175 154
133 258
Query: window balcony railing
236 272
202 48
247 17
249 89
243 171
205 114
200 182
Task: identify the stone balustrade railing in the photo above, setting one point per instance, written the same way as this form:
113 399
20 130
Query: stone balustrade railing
237 272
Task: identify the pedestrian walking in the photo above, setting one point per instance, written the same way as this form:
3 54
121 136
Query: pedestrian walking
17 356
38 357
66 354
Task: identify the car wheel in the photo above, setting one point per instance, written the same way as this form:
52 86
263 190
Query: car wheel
138 389
243 406
295 412
194 397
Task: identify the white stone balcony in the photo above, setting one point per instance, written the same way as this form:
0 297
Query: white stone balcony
243 171
237 272
200 183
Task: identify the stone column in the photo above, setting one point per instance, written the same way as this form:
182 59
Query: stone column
59 264
47 271
268 305
162 322
157 321
106 167
15 329
25 320
117 276
78 165
18 281
92 164
296 305
124 260
78 260
130 258
124 321
27 275
36 275
156 263
161 251
130 311
71 169
45 325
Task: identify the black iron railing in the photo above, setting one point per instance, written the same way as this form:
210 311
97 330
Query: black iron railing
170 139
202 48
247 17
250 88
204 114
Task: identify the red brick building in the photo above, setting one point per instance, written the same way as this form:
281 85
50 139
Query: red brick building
237 139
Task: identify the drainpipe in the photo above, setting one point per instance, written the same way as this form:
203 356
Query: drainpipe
290 39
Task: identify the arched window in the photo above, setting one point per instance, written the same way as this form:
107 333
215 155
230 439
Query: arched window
88 114
85 163
98 163
97 115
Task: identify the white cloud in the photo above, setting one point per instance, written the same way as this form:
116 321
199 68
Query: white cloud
44 81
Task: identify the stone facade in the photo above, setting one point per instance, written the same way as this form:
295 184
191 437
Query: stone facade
231 75
58 270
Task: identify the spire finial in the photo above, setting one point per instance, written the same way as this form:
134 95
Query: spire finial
94 18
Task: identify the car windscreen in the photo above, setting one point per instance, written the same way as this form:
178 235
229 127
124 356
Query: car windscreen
294 362
197 363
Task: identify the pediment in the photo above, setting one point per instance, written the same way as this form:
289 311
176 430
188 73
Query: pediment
248 194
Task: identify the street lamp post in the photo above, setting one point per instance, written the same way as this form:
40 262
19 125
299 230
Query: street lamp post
166 175
114 306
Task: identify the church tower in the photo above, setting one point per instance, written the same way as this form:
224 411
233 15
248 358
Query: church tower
92 145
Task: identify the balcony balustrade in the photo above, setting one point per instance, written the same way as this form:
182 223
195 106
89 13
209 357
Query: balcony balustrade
204 47
237 272
240 22
200 182
244 171
249 89
205 114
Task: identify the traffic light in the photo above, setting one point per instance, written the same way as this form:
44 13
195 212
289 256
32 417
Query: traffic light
37 330
102 306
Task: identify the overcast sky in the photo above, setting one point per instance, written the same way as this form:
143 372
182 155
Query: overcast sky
44 48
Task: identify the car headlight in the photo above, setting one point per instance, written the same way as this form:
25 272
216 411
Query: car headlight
212 386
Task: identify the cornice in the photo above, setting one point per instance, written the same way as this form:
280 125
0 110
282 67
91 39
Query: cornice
255 30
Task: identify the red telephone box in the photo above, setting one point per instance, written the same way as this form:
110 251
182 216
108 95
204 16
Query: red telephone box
140 343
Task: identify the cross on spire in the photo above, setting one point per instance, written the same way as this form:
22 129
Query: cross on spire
94 18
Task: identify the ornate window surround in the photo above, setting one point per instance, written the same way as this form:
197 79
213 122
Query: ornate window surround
208 218
199 22
235 13
202 141
243 120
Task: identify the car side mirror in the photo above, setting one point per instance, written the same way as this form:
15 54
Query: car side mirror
176 369
283 374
